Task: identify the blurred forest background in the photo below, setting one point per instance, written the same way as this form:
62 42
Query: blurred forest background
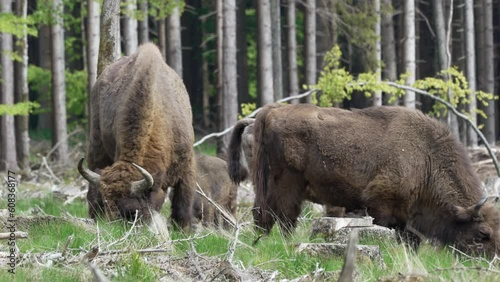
241 52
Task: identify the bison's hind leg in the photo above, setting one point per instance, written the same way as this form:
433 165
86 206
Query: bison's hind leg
182 203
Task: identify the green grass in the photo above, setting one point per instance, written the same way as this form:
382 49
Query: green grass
50 204
271 253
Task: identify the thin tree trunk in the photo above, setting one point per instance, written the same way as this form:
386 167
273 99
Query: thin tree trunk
109 45
21 89
220 69
389 46
130 27
60 134
440 29
242 55
409 50
489 128
265 57
8 160
143 23
470 56
205 75
93 22
276 50
230 101
293 78
310 44
377 97
174 51
162 37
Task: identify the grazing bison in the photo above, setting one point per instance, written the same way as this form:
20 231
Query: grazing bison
406 169
141 140
213 179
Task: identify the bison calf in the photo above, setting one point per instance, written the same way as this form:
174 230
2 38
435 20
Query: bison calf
408 170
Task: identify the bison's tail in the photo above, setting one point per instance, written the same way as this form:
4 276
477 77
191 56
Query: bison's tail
260 166
237 171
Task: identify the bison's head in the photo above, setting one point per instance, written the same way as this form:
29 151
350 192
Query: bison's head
124 188
478 228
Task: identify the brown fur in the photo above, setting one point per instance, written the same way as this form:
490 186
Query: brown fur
140 112
405 168
213 179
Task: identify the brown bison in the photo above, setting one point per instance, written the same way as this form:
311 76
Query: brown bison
141 140
213 179
408 170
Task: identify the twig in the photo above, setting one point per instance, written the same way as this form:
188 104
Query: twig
349 266
227 215
227 130
17 235
98 275
128 233
78 130
232 248
195 261
46 164
68 241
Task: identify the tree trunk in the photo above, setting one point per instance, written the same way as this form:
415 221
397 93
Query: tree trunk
264 53
8 160
389 46
377 97
21 90
242 53
489 128
143 23
205 75
470 57
93 22
276 50
109 45
130 27
310 44
293 77
221 150
60 134
409 50
230 101
174 51
440 29
162 38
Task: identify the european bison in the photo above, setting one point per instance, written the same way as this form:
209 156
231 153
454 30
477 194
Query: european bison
141 140
406 169
213 179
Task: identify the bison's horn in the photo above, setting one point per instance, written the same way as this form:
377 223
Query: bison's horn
92 177
142 185
478 207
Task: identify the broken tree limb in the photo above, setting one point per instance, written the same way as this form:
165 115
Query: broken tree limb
17 235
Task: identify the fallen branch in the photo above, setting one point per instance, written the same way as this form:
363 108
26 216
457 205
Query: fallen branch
227 215
17 235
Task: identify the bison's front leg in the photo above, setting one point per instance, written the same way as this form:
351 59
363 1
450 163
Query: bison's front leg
182 201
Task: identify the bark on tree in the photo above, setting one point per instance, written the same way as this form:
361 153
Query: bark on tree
205 74
377 97
174 51
109 45
220 78
21 89
60 134
130 39
310 44
489 53
8 158
230 101
162 37
440 29
276 50
242 56
470 57
93 22
264 48
293 77
143 23
409 50
326 30
388 45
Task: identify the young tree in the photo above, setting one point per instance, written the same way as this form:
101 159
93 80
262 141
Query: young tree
293 78
489 70
276 50
8 158
310 44
230 101
440 29
265 58
377 97
130 27
174 50
470 58
109 45
409 50
21 88
93 22
60 134
143 23
242 53
388 44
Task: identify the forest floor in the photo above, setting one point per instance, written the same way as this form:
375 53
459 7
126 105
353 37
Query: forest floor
60 243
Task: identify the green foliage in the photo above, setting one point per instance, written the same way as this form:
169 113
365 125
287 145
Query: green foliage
40 80
10 23
21 109
337 84
246 109
160 9
135 268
